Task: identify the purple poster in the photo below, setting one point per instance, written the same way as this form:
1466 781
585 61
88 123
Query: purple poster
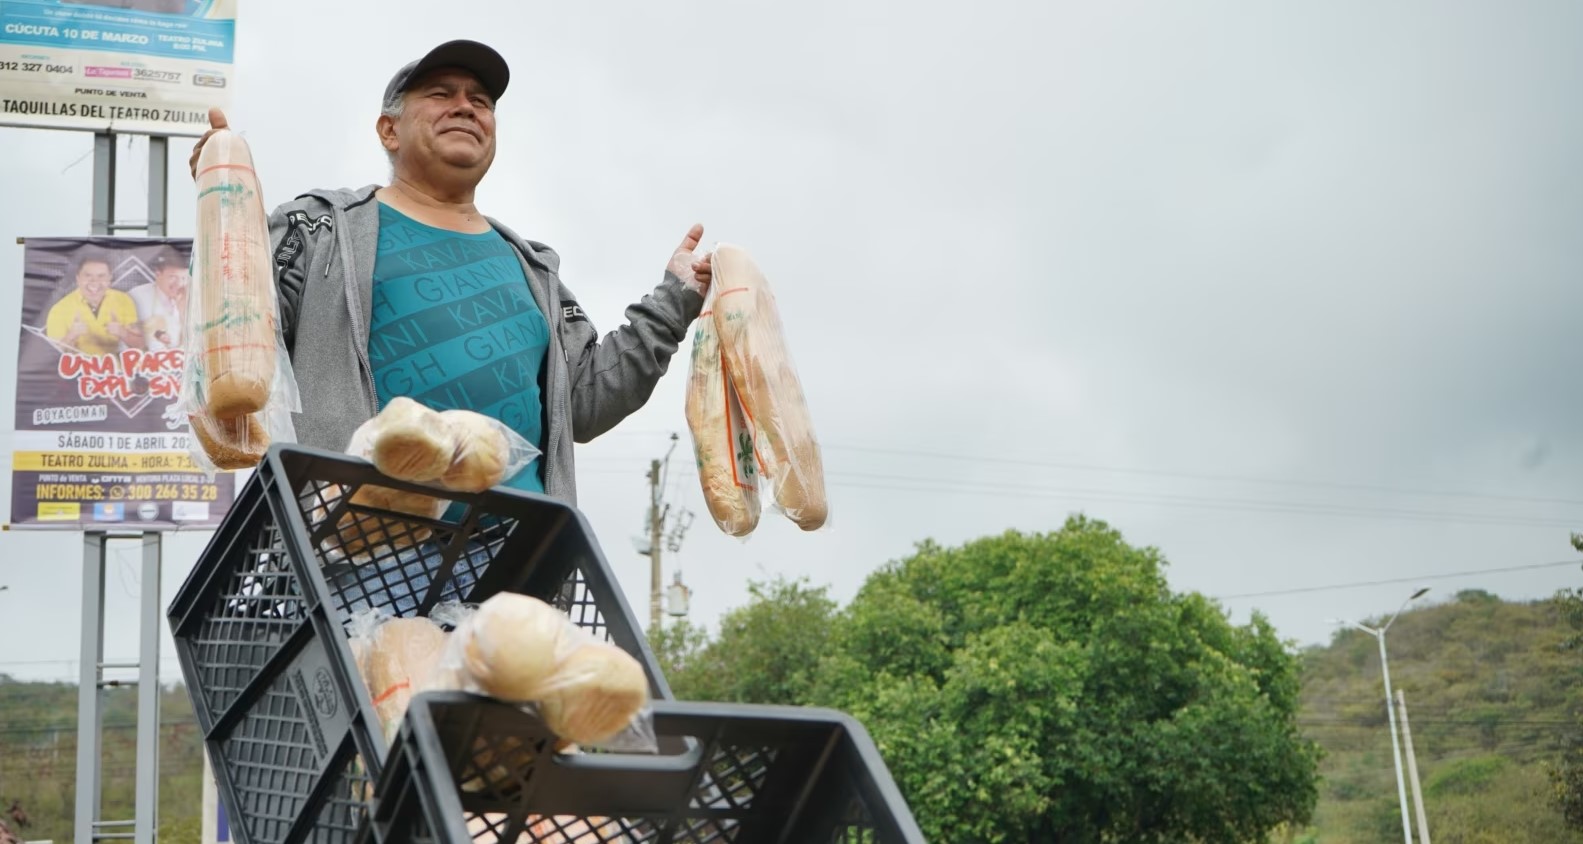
100 443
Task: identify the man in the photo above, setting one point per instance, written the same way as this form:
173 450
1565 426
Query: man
93 319
162 303
447 305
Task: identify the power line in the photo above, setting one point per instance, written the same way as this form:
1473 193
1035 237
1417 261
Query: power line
1363 583
1205 502
936 486
1341 721
1166 473
1204 476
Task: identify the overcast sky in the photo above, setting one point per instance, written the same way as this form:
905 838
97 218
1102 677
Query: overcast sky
1289 293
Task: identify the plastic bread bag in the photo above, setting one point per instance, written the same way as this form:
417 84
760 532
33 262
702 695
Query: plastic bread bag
358 630
395 657
357 635
238 390
219 443
722 441
492 766
758 361
455 450
519 650
369 523
222 445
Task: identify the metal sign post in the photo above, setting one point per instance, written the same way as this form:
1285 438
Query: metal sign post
90 828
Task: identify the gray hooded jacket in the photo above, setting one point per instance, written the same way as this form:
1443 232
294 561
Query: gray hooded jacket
324 246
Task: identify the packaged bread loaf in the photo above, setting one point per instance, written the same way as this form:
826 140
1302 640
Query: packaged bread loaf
497 764
372 526
408 442
231 443
758 361
237 328
722 442
594 693
236 376
458 450
449 451
487 452
368 517
518 649
395 657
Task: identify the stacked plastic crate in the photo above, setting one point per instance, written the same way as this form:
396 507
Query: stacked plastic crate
261 632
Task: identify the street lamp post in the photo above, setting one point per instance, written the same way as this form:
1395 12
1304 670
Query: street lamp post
1390 708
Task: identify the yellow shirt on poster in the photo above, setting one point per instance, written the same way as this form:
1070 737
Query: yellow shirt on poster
96 339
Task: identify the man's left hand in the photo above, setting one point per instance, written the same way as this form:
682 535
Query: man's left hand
695 272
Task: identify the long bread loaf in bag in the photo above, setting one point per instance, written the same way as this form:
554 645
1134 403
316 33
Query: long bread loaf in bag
758 360
236 334
238 392
722 442
230 443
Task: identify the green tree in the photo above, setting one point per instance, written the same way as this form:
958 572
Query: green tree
1051 687
765 652
1566 783
678 646
1566 774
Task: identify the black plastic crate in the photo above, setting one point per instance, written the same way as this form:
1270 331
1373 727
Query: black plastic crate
259 627
466 768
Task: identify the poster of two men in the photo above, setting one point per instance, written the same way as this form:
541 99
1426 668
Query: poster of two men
98 389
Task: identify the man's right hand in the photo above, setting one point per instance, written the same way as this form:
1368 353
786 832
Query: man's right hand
216 123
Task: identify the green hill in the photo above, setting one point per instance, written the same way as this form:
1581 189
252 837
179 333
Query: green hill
1490 693
1490 696
38 759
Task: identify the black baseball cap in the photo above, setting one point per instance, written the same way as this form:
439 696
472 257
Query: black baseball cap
478 59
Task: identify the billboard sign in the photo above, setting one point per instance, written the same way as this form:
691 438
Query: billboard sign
136 66
100 442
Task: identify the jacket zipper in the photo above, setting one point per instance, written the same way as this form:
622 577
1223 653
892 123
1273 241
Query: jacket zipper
562 388
557 389
354 307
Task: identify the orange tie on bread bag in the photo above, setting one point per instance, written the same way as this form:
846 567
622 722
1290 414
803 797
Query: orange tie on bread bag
757 359
722 442
236 334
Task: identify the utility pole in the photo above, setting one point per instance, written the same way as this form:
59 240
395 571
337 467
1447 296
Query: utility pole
659 512
1412 770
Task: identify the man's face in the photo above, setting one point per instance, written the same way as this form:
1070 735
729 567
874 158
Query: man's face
93 279
448 119
171 281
